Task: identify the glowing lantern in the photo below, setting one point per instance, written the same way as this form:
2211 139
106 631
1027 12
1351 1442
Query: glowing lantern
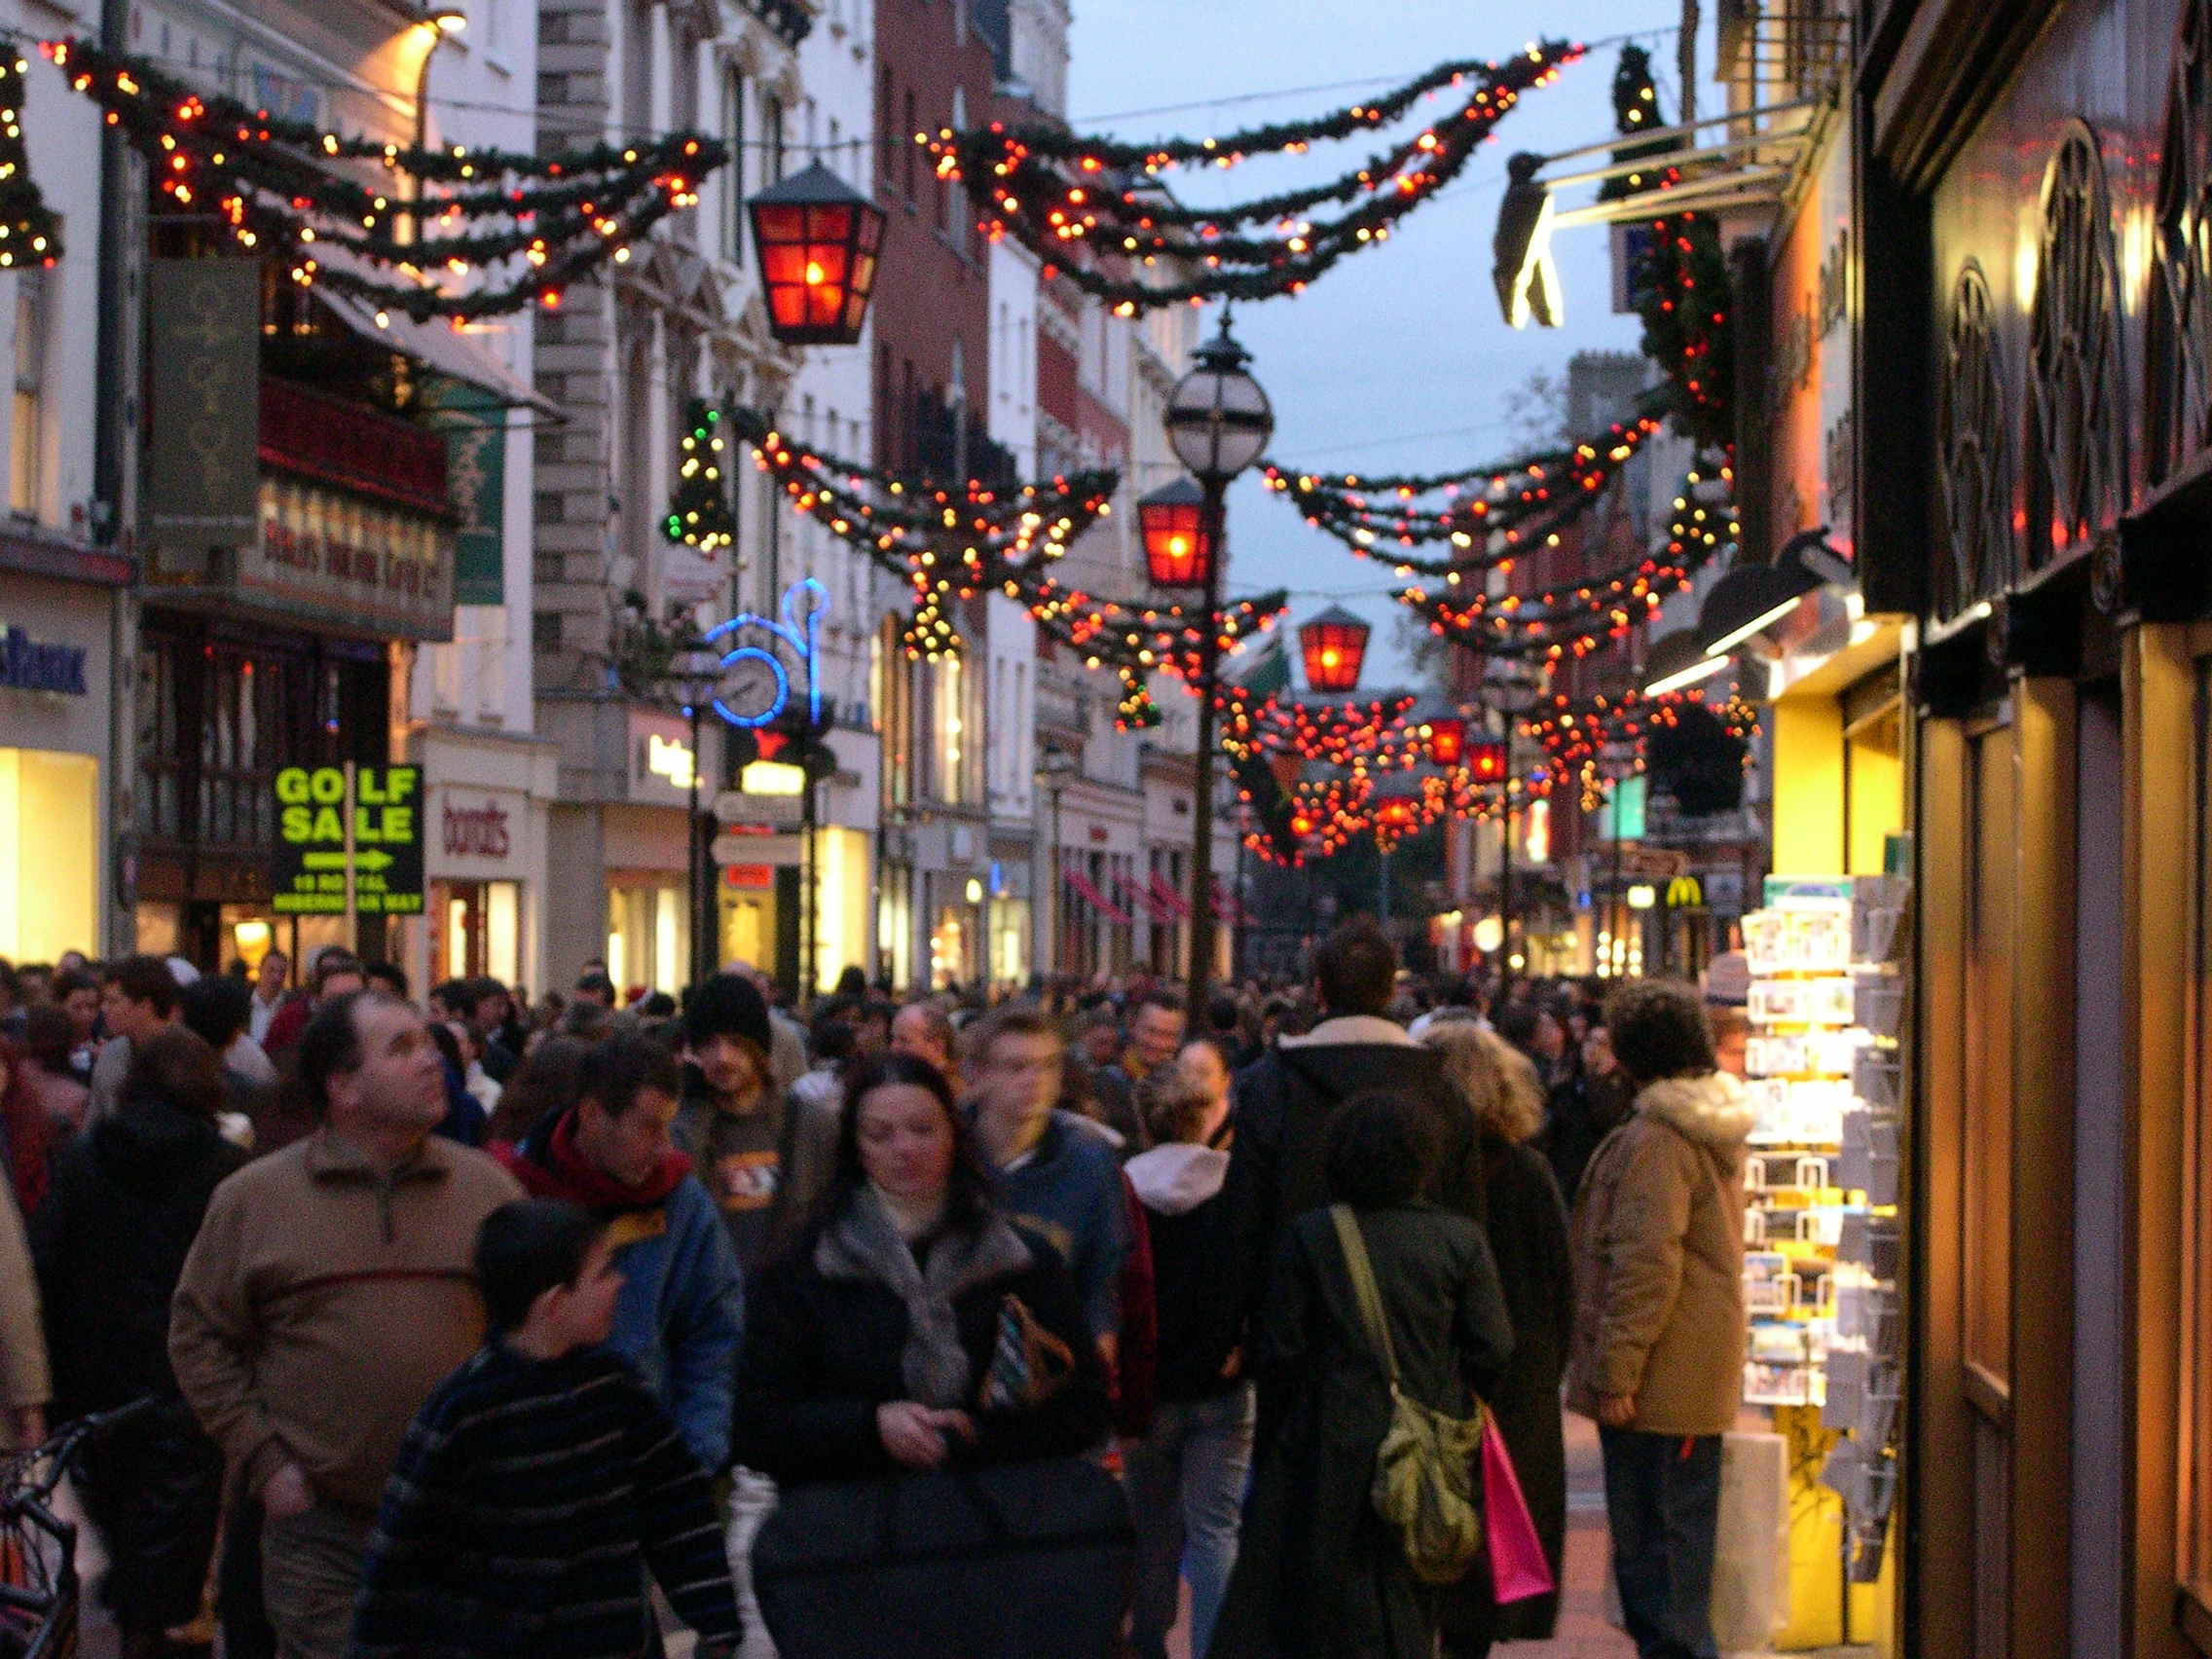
1333 644
1447 742
817 240
1178 546
1486 761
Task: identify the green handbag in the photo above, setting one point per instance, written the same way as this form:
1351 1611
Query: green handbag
1424 1474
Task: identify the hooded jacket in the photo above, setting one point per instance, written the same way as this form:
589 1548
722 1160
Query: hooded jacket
1658 1247
1187 1219
1283 1107
682 1308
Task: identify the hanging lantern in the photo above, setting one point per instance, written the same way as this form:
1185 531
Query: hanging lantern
1178 546
1333 644
817 240
1486 761
1447 742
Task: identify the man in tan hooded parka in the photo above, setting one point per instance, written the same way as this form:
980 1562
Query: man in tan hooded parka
1657 1354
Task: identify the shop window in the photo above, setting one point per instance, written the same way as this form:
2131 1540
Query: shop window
477 931
26 424
1988 1092
951 746
49 846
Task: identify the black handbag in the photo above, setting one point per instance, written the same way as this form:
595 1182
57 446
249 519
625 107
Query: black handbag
1023 1561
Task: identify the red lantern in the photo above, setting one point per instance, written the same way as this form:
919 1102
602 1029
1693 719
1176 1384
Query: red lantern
1447 742
1333 644
1178 547
817 240
1486 761
1395 813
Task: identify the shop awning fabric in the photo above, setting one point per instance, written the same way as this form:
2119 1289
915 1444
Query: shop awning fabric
437 347
1089 895
1169 897
1149 898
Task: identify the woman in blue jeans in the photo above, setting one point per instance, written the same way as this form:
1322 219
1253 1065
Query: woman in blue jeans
1186 1478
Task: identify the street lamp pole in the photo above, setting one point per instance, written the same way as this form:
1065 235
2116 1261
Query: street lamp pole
1204 922
1505 865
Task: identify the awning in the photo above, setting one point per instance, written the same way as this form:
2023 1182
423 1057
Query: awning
437 347
1160 913
1091 896
1227 908
1169 897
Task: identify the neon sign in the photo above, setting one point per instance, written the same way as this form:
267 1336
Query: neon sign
799 632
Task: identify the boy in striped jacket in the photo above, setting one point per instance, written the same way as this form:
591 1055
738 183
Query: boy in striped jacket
540 1483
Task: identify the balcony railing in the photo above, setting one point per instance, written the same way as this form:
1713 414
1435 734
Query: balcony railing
344 444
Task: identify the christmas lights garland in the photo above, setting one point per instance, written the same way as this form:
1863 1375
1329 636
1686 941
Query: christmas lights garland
1079 201
699 513
562 214
1680 285
1331 732
1575 619
1490 515
1575 737
30 233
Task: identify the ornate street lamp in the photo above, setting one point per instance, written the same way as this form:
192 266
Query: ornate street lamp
1218 424
817 240
1333 645
1178 541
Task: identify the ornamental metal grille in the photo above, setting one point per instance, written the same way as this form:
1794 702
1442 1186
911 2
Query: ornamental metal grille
1977 472
2077 438
2178 353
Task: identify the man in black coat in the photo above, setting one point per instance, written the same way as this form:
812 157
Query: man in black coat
1285 1100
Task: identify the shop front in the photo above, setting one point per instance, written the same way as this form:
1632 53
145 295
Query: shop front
55 712
485 840
2041 250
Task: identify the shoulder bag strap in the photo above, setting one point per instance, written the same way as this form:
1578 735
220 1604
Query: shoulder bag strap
1363 1288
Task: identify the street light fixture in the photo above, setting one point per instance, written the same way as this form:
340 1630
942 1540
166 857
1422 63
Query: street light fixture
817 240
439 22
1678 661
1179 543
1526 278
1333 645
1218 422
1057 768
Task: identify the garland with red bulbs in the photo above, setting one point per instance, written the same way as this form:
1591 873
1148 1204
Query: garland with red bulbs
1490 515
1079 202
1576 736
1576 618
529 224
30 232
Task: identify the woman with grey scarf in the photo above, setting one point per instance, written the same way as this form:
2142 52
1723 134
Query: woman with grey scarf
911 1325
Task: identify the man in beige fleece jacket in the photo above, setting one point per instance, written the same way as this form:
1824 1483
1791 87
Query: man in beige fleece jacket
330 1289
1658 1346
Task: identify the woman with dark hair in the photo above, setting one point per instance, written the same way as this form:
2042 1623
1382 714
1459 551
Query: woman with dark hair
543 1086
127 1201
869 1343
1320 1574
49 1036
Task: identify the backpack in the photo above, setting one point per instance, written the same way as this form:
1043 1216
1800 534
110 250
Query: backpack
1424 1472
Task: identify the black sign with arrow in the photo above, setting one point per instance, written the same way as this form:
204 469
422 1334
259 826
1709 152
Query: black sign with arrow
333 822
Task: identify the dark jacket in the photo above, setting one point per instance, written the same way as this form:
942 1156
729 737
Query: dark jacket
1283 1108
1527 1240
1186 1214
1583 1111
821 1354
110 1241
1319 1573
529 1501
1069 1190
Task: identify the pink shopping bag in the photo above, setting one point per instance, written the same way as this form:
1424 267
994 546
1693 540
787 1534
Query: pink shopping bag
1518 1569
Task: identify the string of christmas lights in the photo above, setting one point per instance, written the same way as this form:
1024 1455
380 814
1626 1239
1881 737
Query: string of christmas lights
1079 202
1678 285
1582 740
1333 732
1490 515
699 512
525 224
1574 620
30 233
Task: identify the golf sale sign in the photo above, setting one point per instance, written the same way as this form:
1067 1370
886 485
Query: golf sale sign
335 822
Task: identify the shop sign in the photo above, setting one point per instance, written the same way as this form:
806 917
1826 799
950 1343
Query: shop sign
31 665
337 556
662 765
474 425
473 831
748 877
736 847
348 832
1684 894
202 464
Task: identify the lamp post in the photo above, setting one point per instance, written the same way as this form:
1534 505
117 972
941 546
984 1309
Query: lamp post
692 678
440 22
1218 422
1057 767
1513 695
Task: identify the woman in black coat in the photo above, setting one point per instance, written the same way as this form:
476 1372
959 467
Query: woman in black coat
1319 1575
869 1345
1527 1239
125 1202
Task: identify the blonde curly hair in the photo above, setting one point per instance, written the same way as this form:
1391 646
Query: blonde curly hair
1497 1081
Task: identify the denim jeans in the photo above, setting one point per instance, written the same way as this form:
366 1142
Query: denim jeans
1186 1483
751 1500
1663 1499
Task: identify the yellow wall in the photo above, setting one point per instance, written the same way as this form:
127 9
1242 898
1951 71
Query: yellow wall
1808 786
50 840
841 910
1877 804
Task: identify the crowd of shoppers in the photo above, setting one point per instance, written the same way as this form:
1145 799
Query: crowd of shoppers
425 1296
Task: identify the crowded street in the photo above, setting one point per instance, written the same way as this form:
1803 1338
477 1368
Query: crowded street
990 829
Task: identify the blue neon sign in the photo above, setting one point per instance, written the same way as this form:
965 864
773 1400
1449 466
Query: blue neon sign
799 631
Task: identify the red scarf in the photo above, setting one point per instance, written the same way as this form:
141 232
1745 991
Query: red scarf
566 1174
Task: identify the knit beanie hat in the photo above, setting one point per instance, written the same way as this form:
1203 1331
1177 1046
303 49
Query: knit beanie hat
727 1004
